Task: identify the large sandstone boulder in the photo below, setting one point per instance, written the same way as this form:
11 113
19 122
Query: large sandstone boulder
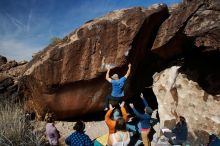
179 94
189 42
192 26
68 77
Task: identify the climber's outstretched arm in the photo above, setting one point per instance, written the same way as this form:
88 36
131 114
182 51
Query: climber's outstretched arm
107 76
128 72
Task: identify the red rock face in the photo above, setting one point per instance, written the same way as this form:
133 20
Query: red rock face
68 78
195 22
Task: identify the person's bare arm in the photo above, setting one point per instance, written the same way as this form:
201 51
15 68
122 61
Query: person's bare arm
107 76
128 72
144 100
108 120
124 112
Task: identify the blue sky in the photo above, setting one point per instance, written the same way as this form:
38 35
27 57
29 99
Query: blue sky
27 26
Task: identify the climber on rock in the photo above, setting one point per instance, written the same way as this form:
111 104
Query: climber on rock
117 86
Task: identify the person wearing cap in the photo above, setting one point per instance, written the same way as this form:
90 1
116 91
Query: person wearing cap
144 121
213 140
79 138
117 86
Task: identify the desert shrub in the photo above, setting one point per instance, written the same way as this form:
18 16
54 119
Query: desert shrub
16 129
55 40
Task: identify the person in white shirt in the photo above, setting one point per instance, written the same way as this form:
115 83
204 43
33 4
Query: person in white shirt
121 137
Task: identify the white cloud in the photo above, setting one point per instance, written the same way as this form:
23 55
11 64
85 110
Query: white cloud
18 23
20 38
29 21
17 50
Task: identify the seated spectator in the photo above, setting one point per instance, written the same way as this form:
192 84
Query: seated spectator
213 140
121 137
52 133
178 135
79 138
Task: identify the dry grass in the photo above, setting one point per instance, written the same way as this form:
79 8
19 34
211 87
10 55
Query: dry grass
16 130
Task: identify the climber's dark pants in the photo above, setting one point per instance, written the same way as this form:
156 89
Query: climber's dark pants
112 100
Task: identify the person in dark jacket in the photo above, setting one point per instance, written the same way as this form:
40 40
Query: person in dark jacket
178 135
213 140
79 138
144 121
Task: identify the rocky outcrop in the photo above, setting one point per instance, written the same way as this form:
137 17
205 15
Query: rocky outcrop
188 41
179 92
68 77
193 26
8 90
10 72
8 65
3 60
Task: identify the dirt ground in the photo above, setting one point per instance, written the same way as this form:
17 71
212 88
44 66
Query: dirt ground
93 129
